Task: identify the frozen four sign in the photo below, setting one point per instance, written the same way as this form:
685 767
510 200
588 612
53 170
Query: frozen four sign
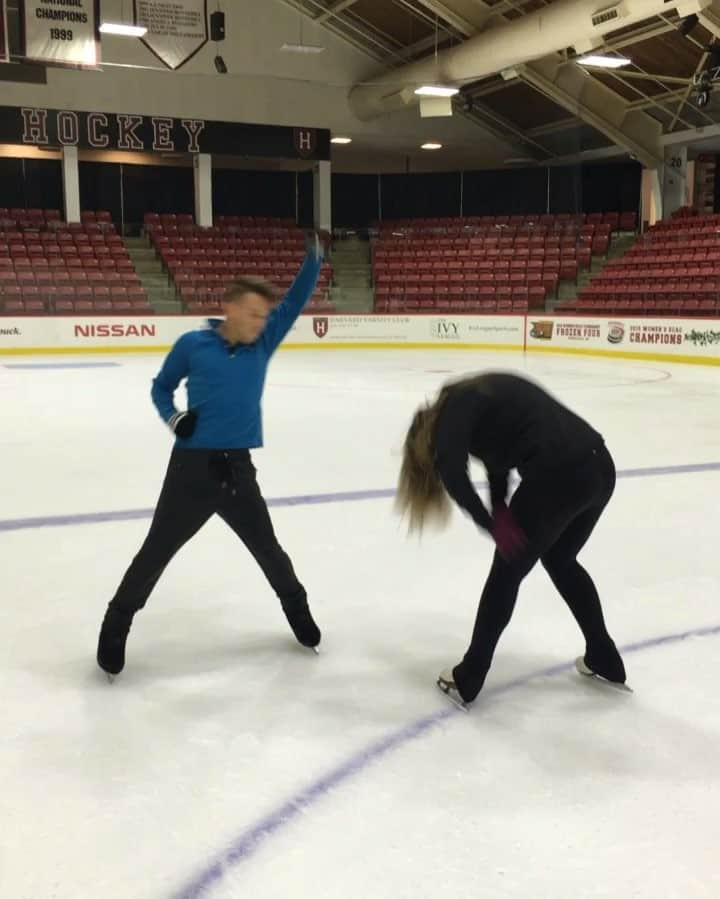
176 29
64 32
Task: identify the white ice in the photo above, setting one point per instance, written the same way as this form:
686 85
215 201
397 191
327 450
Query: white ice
552 790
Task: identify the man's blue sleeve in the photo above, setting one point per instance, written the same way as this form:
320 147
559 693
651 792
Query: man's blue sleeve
282 318
175 367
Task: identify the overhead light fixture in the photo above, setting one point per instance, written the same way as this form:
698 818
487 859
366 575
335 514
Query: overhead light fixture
122 30
436 90
431 146
340 140
600 61
302 48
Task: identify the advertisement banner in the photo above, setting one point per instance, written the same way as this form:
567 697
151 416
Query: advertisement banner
682 340
38 126
176 29
69 333
506 332
61 32
686 339
4 48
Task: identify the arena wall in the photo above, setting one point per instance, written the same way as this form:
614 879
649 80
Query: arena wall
671 340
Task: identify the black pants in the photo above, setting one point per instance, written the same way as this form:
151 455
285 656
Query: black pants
198 484
558 511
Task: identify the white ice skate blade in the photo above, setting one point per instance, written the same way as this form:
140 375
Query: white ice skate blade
450 690
590 675
316 650
110 677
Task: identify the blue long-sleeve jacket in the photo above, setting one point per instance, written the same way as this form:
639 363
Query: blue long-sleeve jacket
224 383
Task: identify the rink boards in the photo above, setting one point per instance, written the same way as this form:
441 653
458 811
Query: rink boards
672 339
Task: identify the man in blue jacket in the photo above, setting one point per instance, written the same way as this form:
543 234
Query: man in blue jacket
210 470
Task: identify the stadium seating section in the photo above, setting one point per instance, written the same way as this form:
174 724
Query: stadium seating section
486 264
47 266
480 265
674 269
200 261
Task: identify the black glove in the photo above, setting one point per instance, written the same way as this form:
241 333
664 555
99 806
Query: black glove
183 424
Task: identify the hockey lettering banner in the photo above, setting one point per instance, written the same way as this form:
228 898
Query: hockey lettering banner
176 29
40 127
61 32
4 52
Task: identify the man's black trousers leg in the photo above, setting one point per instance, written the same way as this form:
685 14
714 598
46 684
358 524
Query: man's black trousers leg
186 502
243 508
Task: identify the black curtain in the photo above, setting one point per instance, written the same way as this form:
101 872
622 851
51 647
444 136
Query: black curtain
306 209
156 188
43 184
240 192
426 195
12 183
355 200
566 189
611 187
100 188
516 192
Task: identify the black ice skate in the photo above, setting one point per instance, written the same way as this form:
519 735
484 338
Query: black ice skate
297 612
111 643
448 686
611 675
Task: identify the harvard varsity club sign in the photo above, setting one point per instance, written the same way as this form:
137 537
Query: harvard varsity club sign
39 127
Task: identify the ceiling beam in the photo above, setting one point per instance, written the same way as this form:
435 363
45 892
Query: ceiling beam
334 10
355 36
465 16
598 106
501 127
690 135
710 18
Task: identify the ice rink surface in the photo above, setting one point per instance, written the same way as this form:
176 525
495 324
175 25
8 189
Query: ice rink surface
228 762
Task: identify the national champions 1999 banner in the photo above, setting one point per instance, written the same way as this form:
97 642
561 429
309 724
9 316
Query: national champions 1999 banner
61 32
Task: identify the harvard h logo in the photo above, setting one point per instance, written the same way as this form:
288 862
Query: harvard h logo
305 141
320 327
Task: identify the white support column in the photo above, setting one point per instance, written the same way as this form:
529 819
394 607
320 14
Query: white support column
652 208
202 177
71 184
322 197
675 175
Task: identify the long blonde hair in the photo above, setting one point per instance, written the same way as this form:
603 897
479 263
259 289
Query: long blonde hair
420 493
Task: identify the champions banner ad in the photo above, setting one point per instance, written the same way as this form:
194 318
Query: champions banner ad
684 339
61 32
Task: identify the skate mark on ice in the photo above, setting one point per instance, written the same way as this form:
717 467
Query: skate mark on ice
253 837
311 499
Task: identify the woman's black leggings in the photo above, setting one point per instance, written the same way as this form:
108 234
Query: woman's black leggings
558 511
